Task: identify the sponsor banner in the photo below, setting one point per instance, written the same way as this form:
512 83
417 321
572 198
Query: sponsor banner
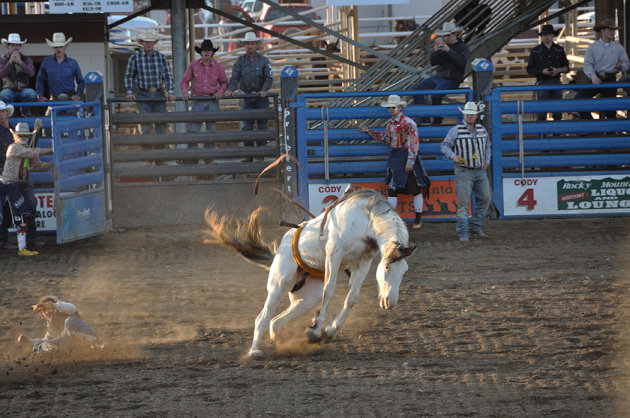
46 214
89 6
567 195
365 2
442 202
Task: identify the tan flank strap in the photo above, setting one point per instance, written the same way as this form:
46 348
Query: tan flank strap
296 254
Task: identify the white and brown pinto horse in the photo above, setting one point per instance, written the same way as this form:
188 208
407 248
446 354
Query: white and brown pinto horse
346 236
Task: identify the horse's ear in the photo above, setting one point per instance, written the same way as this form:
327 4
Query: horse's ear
407 251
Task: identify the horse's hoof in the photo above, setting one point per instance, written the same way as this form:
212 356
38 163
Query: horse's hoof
312 336
255 353
328 334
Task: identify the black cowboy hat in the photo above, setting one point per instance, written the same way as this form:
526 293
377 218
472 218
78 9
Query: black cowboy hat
206 45
547 29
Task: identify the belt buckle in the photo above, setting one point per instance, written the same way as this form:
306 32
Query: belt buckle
153 90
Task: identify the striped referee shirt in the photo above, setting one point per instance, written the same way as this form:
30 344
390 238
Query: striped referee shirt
471 146
148 71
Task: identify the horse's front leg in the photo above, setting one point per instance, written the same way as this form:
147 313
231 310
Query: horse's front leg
333 261
356 281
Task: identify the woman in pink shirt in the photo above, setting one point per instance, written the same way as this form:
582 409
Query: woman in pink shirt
208 79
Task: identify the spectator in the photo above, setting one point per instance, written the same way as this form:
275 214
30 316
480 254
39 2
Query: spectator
6 139
546 62
468 145
150 72
208 79
20 161
16 71
64 327
60 72
405 173
252 72
604 58
450 54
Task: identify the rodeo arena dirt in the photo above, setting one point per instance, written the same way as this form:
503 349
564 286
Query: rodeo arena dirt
532 321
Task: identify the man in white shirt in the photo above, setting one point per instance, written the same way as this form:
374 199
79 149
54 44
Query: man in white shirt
602 61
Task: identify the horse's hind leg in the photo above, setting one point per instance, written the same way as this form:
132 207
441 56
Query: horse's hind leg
277 286
302 301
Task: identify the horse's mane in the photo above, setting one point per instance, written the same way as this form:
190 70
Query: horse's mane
383 218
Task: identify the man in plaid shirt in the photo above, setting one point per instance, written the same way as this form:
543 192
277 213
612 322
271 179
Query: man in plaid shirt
151 73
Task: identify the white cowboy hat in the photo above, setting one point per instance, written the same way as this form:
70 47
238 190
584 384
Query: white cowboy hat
14 38
250 37
472 108
394 100
4 106
59 39
447 29
148 36
22 129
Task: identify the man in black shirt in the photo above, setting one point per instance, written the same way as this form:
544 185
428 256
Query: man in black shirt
546 62
450 54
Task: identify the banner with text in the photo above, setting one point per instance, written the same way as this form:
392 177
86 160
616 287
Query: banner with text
442 202
570 195
90 6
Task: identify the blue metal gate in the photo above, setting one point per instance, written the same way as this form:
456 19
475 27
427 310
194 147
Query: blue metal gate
80 189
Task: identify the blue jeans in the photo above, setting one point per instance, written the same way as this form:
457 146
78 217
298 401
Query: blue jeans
24 95
433 83
203 106
151 107
549 95
248 125
20 208
469 180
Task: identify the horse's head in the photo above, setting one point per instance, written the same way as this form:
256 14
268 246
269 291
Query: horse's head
390 272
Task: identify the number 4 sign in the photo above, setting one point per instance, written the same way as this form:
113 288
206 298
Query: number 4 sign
527 199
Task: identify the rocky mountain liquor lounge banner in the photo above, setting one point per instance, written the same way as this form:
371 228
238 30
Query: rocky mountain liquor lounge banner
570 195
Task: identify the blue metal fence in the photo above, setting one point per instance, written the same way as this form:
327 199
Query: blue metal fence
347 155
584 152
80 189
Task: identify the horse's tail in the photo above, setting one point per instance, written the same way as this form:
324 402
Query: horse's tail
244 236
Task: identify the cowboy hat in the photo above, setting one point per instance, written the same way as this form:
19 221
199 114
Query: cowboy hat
14 38
394 100
206 45
4 106
58 39
447 29
547 29
148 36
472 108
606 23
22 129
250 37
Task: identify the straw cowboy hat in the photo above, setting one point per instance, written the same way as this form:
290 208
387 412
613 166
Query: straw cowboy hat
606 23
148 36
58 39
472 108
394 100
4 106
447 29
206 45
22 129
547 29
14 38
250 37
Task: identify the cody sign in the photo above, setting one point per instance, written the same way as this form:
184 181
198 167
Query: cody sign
570 195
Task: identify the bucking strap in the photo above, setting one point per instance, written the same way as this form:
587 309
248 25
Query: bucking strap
296 254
